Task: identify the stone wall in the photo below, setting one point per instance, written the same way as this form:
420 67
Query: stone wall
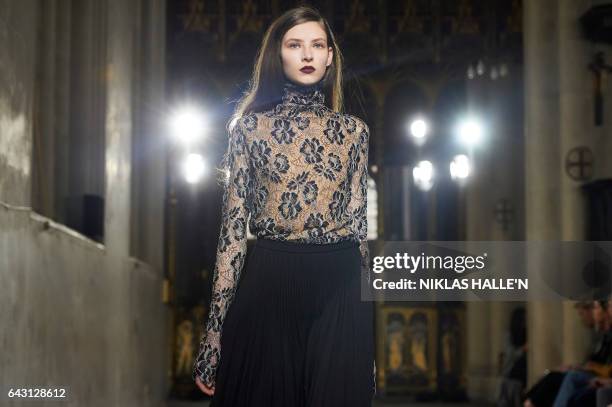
76 313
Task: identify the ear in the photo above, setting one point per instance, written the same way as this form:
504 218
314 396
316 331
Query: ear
330 56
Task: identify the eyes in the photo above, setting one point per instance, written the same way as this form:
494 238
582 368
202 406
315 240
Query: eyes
297 44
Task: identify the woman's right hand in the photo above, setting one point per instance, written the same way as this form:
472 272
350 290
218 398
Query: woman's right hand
206 364
207 390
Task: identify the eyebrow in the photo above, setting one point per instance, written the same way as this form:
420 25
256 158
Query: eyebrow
297 39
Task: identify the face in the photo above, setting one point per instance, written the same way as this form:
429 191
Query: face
599 313
586 315
305 45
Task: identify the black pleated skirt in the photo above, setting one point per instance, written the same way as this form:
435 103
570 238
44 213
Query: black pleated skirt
297 333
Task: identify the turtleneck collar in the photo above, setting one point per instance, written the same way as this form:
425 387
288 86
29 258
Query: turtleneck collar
305 95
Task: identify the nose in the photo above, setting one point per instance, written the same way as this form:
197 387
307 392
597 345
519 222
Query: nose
307 55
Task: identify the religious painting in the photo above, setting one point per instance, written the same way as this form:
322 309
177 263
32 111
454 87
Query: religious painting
407 351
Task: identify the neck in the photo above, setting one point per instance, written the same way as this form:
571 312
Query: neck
304 88
308 95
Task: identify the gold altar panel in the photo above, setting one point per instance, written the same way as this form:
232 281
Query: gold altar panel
407 350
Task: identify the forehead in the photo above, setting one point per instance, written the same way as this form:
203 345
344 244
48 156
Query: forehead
307 31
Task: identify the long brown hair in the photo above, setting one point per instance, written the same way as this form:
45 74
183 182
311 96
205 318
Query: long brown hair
265 86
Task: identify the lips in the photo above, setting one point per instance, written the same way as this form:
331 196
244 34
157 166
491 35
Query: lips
307 69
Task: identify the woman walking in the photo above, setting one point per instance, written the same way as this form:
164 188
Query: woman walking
287 326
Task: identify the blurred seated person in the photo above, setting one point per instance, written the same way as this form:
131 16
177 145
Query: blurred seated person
580 387
514 367
594 315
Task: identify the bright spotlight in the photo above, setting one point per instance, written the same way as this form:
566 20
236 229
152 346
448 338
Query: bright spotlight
418 128
460 167
187 124
193 168
470 131
423 175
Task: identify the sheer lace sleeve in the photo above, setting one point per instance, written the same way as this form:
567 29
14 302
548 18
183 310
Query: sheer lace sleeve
231 253
359 196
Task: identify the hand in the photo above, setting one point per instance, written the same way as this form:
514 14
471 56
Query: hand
207 390
600 382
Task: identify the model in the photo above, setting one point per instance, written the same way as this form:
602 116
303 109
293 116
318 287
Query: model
291 329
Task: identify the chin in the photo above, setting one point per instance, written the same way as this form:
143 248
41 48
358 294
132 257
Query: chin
308 81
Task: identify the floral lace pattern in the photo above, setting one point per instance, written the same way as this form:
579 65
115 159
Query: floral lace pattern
296 172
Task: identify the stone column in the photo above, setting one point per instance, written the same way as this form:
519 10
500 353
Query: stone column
87 110
61 109
119 72
150 137
576 120
480 367
17 77
481 364
120 49
542 171
504 152
478 360
44 141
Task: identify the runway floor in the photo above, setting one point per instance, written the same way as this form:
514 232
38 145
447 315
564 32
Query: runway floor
376 403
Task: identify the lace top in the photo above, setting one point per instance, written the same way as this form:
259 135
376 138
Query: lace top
296 172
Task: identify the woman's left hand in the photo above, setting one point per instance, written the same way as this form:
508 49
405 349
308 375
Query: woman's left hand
208 390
